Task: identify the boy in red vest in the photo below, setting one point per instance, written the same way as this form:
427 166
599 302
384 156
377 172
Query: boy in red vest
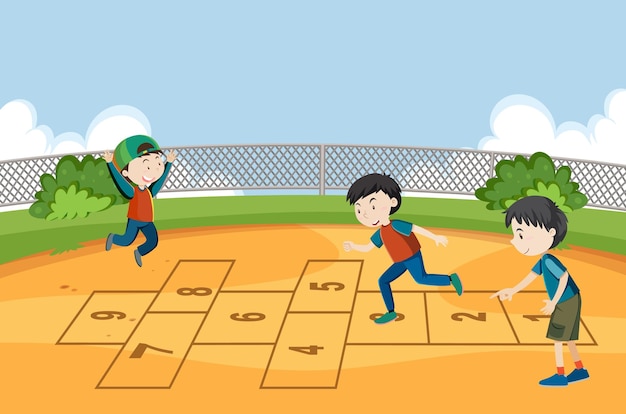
375 198
138 170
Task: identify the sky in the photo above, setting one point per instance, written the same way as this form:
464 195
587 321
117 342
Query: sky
505 76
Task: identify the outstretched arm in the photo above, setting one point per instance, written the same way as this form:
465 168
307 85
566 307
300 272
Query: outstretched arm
507 293
348 245
120 182
156 186
437 239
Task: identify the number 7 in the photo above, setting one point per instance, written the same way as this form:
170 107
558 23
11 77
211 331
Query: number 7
141 348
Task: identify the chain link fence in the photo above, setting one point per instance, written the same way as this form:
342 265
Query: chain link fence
327 167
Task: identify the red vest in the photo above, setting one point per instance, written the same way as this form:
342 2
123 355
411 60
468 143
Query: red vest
399 246
140 206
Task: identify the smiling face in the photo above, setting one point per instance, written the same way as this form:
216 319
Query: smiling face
145 170
373 210
531 240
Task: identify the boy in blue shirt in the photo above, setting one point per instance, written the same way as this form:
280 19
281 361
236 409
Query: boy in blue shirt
538 225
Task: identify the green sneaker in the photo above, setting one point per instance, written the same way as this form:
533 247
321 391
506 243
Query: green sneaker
386 317
456 282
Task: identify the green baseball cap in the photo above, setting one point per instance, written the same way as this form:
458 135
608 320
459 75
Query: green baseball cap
129 149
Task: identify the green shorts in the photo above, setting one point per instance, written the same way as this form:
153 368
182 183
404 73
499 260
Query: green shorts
565 320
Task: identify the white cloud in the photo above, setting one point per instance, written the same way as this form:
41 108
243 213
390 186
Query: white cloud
522 124
21 137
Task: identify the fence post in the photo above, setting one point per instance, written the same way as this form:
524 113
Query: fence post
322 169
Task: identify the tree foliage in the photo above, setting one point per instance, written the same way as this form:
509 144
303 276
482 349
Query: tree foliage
536 175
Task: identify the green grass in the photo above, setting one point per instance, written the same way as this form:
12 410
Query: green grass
22 235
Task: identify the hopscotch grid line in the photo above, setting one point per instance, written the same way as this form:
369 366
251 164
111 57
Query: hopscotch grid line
74 319
231 343
432 344
293 387
135 328
206 314
274 344
351 313
134 387
255 291
98 386
588 332
174 311
90 343
426 317
506 314
126 291
282 325
320 312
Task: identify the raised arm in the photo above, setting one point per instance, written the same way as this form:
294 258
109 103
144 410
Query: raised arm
124 186
156 186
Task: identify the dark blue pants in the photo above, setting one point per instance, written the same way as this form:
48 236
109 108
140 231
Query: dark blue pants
415 266
132 229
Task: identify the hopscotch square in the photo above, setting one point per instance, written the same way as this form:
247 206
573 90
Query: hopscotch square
309 351
468 319
240 318
107 317
531 326
409 328
192 286
327 286
155 352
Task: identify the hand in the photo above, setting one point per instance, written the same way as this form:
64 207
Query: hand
506 293
171 156
549 308
441 240
108 156
348 245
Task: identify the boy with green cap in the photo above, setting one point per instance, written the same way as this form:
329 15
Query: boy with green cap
138 171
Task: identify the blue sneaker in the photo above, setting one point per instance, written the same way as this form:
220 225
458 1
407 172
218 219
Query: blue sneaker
456 282
109 242
557 380
138 257
578 375
386 317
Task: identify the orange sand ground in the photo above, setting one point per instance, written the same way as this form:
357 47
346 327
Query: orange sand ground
40 296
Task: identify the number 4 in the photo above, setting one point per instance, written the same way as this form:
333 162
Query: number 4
309 350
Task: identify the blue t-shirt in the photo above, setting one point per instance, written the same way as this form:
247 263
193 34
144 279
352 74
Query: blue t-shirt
552 270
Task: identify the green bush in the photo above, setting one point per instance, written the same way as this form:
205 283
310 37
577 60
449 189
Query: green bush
523 177
71 202
90 174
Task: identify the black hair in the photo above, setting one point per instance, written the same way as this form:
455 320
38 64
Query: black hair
373 183
539 211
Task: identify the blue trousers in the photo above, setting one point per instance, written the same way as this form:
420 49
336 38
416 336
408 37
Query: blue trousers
415 266
133 227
